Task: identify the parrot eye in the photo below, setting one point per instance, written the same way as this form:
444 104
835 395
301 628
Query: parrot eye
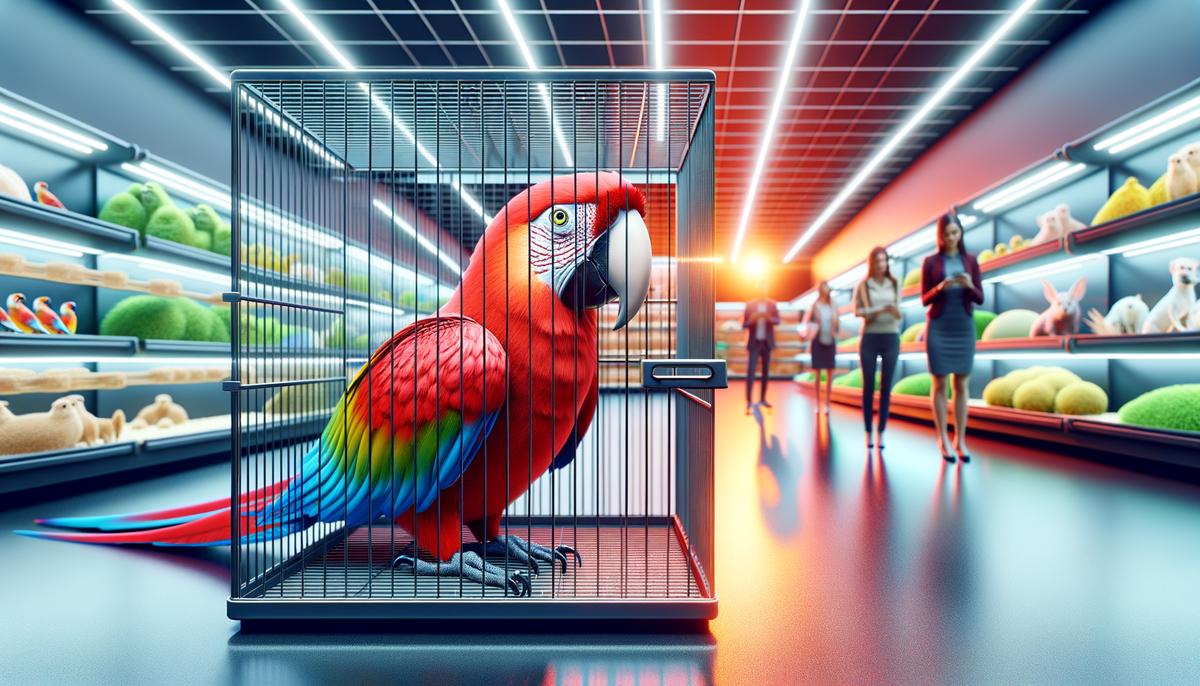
560 217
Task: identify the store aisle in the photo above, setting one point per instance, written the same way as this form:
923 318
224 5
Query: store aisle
1019 567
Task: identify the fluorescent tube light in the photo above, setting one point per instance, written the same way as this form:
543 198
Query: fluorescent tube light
1026 187
44 135
25 240
1057 355
659 63
316 33
853 276
421 240
768 135
903 132
523 46
52 128
256 213
174 42
1043 271
1154 126
172 268
380 262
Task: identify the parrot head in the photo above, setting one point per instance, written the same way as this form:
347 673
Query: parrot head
15 299
41 302
587 240
41 186
68 306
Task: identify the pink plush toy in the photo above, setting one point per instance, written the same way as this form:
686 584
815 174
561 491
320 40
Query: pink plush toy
1062 317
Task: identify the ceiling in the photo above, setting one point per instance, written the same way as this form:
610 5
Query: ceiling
862 69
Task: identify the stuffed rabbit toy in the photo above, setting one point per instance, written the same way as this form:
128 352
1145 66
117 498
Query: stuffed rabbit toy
1062 317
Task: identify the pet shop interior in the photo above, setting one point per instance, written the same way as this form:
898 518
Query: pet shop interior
523 341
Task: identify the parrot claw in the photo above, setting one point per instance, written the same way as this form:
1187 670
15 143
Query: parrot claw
517 548
470 566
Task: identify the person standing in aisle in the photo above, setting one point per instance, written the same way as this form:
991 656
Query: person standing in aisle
820 327
759 320
877 302
951 286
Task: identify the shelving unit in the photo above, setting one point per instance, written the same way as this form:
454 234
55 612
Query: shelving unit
1122 257
75 239
787 359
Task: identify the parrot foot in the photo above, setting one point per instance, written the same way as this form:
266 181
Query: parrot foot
470 566
528 553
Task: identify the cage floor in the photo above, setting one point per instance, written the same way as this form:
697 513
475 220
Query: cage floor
635 562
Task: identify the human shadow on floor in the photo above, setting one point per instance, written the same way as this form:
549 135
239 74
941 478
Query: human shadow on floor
778 482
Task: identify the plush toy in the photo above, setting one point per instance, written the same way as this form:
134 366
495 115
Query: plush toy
1129 198
983 319
1001 249
6 323
12 185
21 316
124 209
854 379
146 317
1061 318
1066 221
1158 190
205 219
913 333
162 412
1081 397
1181 178
171 223
1191 155
222 242
1010 324
153 197
58 429
999 391
1058 378
96 430
1189 323
985 255
41 190
49 318
912 278
66 312
917 384
1035 396
1171 407
1126 316
1050 229
1178 301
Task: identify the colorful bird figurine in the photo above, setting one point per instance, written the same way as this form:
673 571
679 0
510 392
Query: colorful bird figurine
44 197
6 322
587 245
49 318
66 312
25 320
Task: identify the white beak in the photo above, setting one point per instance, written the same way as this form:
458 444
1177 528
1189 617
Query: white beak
629 263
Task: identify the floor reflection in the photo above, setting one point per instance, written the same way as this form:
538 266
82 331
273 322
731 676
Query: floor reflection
543 660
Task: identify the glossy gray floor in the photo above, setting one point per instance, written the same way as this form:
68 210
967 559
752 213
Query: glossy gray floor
1021 567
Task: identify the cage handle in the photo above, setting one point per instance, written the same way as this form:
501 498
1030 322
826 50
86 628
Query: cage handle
665 374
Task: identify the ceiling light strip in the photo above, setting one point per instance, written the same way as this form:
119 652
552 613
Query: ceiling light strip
1047 177
523 46
660 64
421 240
175 43
907 128
768 134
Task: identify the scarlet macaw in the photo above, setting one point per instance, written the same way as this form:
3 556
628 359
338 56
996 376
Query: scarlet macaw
66 312
476 375
48 317
22 317
42 191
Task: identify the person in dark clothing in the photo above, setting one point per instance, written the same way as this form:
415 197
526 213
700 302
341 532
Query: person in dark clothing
759 320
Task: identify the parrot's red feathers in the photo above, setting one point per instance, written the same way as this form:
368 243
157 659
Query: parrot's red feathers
608 190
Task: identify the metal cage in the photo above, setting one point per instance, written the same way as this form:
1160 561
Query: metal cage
361 203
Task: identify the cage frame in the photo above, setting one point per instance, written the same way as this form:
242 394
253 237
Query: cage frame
669 610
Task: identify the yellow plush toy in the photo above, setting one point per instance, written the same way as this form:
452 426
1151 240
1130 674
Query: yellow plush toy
986 255
1129 198
1158 191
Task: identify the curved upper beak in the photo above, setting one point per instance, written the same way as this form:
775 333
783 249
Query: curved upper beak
616 267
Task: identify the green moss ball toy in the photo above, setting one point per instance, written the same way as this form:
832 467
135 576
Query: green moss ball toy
1010 324
999 392
1170 407
153 197
172 224
126 210
199 322
222 241
1081 397
854 379
983 319
1036 396
146 317
917 384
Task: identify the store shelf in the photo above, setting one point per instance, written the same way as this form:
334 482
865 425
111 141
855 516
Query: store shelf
186 254
31 346
1141 343
1099 434
1138 220
153 345
145 449
68 226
